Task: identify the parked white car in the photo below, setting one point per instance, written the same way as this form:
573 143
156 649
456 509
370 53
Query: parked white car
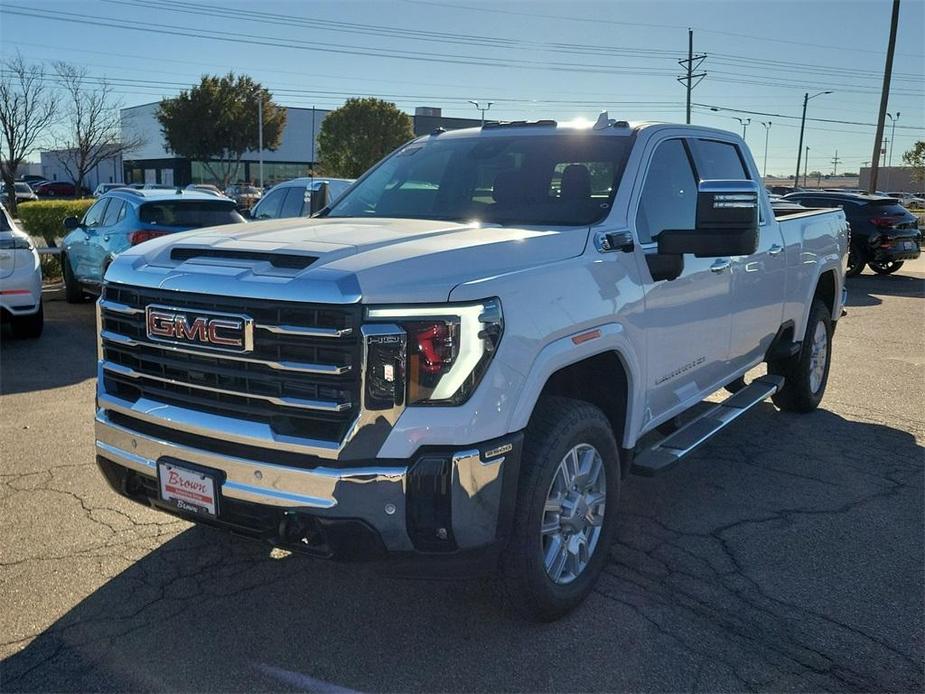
20 280
909 200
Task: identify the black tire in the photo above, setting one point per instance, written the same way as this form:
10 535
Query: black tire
797 394
886 268
855 263
73 294
28 327
557 425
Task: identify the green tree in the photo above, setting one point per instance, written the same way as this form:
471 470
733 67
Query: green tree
915 158
216 122
360 133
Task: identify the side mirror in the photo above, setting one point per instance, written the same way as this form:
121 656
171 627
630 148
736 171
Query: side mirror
319 197
71 223
727 222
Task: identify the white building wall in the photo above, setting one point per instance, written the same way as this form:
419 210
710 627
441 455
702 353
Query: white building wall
302 128
107 171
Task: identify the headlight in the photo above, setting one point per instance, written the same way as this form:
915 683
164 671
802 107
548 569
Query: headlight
15 243
447 347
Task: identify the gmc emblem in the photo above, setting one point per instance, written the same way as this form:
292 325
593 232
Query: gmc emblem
220 331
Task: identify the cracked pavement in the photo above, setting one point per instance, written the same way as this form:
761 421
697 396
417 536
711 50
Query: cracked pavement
786 555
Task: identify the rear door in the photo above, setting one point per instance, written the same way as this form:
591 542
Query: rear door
686 320
758 280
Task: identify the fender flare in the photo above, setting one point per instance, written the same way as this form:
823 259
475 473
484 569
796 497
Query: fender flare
611 337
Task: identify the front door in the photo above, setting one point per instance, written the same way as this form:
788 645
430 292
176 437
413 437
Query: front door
759 279
687 320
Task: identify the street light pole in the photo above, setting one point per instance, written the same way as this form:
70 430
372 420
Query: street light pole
889 163
479 107
806 98
767 131
260 135
744 122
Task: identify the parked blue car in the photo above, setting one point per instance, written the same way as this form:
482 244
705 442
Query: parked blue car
124 218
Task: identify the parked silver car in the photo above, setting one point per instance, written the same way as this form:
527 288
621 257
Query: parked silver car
300 197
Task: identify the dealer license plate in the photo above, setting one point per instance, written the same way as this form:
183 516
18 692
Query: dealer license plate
187 489
909 245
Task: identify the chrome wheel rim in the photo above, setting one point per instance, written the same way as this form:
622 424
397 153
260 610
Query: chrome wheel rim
573 515
818 357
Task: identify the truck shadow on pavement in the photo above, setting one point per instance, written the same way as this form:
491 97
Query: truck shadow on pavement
753 566
866 289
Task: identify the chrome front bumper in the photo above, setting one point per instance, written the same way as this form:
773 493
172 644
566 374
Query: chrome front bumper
376 494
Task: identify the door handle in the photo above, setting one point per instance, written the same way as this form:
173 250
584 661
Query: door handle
720 265
775 250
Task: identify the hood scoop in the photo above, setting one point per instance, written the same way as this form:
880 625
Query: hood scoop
288 261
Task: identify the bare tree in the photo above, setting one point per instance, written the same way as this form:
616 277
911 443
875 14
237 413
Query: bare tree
93 131
27 108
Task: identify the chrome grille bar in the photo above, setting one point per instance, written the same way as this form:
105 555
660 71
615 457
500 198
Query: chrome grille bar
299 403
299 331
297 367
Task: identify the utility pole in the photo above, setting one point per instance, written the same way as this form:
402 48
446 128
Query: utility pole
767 131
806 98
805 166
260 135
479 107
835 161
744 122
692 63
884 97
886 141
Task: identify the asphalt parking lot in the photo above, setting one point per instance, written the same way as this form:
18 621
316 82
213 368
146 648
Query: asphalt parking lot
786 555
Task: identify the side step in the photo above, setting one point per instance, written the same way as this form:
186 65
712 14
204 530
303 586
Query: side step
669 451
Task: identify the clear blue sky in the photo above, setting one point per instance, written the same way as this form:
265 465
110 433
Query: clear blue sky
533 59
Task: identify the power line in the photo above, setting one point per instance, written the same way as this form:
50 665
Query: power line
600 20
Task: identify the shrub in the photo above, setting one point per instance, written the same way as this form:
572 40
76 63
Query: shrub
45 218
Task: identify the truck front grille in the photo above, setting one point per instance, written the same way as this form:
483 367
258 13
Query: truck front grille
301 378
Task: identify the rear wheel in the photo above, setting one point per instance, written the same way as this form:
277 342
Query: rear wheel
807 372
73 294
28 327
855 263
886 268
565 517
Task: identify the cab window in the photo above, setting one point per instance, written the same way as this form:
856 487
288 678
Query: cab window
719 161
669 196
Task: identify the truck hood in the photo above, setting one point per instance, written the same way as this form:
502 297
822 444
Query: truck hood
341 260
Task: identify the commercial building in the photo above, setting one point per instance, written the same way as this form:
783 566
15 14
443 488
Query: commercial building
892 179
58 163
295 156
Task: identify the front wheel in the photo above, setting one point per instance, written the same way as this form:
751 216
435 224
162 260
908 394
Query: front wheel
565 517
28 327
886 268
73 293
855 262
807 372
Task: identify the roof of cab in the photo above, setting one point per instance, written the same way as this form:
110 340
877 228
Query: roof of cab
617 128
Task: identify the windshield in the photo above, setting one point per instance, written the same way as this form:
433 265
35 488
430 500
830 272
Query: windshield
563 179
189 213
22 188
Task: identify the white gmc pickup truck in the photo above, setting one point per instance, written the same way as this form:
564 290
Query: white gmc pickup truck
456 365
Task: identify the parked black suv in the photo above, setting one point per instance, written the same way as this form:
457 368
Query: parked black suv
883 232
